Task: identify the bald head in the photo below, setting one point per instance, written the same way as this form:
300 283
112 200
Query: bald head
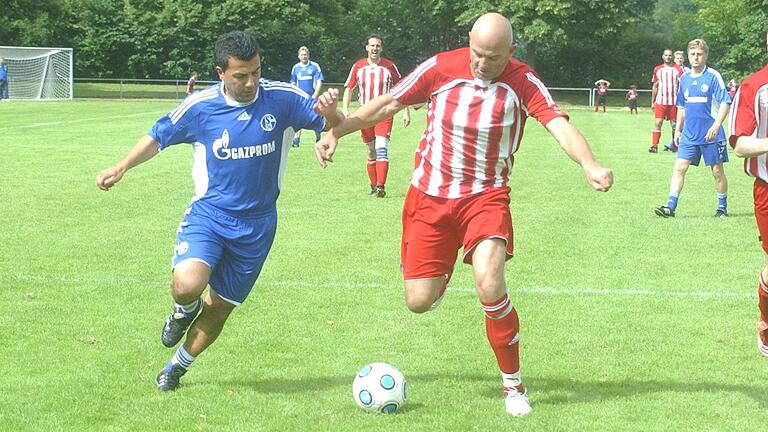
492 28
491 44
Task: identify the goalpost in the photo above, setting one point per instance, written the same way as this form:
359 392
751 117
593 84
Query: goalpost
38 73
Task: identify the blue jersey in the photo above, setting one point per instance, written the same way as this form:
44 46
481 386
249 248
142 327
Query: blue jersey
701 96
240 149
3 72
305 76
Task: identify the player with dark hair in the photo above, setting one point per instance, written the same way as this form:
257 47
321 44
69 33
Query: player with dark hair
631 97
241 132
666 78
478 101
374 75
749 139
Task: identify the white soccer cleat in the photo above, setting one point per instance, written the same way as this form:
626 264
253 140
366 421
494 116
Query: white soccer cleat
516 403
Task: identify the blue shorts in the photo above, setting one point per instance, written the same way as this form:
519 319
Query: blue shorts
714 153
234 248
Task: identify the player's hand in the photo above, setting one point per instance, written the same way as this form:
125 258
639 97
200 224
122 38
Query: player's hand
406 119
108 177
325 148
712 133
600 178
327 102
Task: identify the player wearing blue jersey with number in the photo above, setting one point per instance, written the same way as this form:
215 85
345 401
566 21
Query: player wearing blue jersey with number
240 131
702 105
307 76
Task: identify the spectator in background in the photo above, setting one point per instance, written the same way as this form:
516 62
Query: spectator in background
632 99
602 92
191 83
3 79
307 76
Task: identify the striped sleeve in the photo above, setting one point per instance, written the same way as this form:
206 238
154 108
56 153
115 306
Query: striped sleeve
416 87
537 100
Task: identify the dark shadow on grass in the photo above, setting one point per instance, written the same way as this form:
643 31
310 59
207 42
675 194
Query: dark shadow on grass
553 391
543 391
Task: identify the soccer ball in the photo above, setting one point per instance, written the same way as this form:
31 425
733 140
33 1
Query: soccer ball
380 387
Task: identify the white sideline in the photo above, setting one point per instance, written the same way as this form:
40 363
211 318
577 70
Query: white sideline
36 125
748 294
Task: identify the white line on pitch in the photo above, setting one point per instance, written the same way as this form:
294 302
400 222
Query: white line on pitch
265 284
36 125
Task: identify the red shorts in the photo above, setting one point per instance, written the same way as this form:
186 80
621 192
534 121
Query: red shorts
665 112
760 192
382 129
435 228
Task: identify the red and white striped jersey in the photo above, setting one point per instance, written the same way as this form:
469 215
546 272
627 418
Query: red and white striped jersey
372 80
668 78
473 127
749 117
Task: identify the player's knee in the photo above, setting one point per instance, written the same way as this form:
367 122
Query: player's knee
418 303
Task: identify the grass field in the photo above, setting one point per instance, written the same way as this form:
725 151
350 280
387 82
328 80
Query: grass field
629 322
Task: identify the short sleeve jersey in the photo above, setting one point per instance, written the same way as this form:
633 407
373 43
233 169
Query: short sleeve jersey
3 72
473 126
668 78
749 117
240 149
602 90
191 85
372 80
305 76
701 96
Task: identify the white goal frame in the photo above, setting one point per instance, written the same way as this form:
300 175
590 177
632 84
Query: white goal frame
39 73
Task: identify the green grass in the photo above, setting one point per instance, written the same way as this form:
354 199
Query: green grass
629 322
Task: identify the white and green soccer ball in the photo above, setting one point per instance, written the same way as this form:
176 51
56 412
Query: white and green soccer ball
380 387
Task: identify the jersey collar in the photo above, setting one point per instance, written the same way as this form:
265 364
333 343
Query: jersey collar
233 103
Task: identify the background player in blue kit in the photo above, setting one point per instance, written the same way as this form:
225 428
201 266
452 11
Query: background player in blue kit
307 76
702 105
241 130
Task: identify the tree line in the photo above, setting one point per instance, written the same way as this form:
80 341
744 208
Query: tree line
570 43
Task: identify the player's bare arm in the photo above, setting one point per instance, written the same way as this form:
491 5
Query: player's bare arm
749 146
327 106
680 121
654 90
376 110
721 114
346 100
143 151
406 117
576 147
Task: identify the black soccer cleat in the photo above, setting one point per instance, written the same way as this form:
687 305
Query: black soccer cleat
653 150
168 380
664 212
720 213
177 323
380 192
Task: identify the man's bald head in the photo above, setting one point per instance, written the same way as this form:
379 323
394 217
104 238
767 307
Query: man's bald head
492 28
491 44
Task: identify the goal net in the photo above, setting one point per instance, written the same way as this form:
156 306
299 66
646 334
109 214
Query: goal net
38 73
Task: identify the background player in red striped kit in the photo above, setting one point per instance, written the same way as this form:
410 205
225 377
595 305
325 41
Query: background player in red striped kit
666 78
749 139
374 75
478 100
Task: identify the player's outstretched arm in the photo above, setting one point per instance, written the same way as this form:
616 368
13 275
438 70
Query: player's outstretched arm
143 151
374 111
576 147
